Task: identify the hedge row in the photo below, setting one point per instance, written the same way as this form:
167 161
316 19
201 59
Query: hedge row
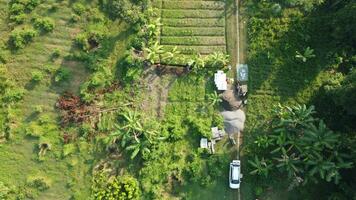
197 49
192 31
192 13
200 40
210 5
191 22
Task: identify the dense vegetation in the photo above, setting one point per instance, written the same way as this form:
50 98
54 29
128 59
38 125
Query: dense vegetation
88 109
301 52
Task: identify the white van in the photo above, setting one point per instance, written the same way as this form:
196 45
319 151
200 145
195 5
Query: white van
235 174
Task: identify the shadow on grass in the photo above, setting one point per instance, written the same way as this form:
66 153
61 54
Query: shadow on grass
273 65
81 64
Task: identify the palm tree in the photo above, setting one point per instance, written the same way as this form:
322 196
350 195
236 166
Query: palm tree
153 52
308 53
261 167
214 99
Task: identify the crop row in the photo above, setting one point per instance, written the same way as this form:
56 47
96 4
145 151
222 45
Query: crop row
200 40
192 13
194 22
192 31
185 49
209 5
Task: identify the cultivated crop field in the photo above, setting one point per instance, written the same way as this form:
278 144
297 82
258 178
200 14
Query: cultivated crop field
195 27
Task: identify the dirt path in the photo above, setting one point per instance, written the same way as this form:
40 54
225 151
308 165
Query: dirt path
156 92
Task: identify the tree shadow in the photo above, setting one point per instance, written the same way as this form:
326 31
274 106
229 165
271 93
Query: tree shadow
275 66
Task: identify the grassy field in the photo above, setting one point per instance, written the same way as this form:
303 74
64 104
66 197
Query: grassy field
202 21
70 176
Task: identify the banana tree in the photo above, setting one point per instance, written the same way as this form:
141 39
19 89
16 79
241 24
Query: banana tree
308 53
154 52
137 147
214 99
260 166
320 137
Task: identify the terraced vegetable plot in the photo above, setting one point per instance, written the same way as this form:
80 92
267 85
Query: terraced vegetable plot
195 27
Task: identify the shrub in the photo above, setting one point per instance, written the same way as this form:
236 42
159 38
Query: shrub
39 182
90 39
37 76
4 191
62 74
21 37
78 8
56 53
69 149
19 18
74 18
124 187
44 25
38 109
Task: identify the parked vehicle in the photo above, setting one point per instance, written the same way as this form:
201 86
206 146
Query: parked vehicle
235 174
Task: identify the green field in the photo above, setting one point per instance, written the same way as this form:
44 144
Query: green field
202 21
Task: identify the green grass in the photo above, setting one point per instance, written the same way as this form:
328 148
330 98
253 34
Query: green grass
209 5
197 49
193 22
70 176
192 40
192 31
191 13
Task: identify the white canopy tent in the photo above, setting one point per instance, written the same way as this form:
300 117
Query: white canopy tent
220 80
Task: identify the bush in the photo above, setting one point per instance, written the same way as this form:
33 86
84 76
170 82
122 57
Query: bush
124 187
19 7
62 74
44 24
78 8
39 182
37 76
21 37
4 191
56 53
89 40
74 18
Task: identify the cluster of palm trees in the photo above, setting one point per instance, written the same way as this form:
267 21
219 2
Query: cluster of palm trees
299 145
133 135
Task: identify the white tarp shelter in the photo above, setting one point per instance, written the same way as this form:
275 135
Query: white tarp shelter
220 80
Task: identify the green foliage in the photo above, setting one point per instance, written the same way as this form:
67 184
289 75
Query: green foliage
19 8
78 8
128 10
300 146
69 149
345 93
123 188
44 24
4 191
90 39
308 53
39 182
37 76
19 38
62 74
306 5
